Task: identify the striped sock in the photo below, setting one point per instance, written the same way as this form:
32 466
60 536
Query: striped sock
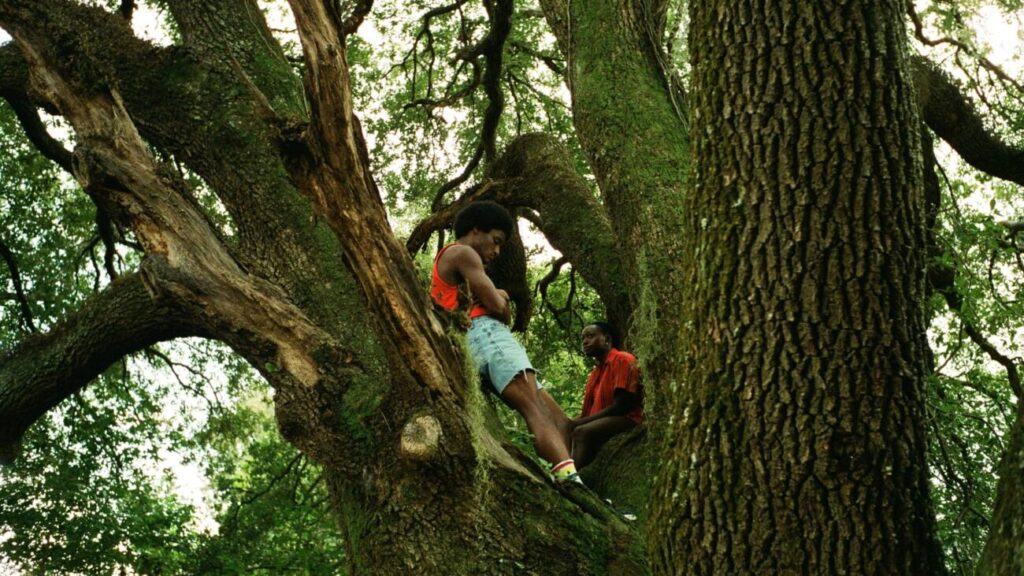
564 470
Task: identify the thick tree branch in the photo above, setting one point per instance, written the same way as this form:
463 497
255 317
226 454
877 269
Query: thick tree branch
180 100
186 256
233 35
188 103
336 177
13 73
949 113
636 141
47 368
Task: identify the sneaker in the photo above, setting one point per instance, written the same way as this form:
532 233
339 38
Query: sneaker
573 478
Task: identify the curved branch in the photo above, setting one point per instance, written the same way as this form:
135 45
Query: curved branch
189 102
949 113
492 47
47 368
14 89
500 12
199 110
535 171
551 276
942 276
185 253
28 116
542 287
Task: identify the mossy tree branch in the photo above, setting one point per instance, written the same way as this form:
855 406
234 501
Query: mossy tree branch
233 35
185 254
47 368
631 124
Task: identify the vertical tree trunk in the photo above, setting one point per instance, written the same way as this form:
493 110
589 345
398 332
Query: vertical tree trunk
797 441
1004 550
632 128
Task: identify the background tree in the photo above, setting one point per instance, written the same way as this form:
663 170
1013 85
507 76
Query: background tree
229 200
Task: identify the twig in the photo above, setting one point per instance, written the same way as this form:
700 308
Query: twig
126 9
554 63
12 266
351 24
492 48
985 62
171 365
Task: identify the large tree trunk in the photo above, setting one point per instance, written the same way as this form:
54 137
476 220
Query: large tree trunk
797 443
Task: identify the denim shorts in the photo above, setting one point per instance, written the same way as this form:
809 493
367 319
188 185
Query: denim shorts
498 356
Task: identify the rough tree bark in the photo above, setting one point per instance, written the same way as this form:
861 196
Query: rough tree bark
798 441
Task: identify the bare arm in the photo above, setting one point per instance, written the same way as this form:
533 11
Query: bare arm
624 402
464 261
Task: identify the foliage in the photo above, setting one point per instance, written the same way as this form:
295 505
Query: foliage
971 406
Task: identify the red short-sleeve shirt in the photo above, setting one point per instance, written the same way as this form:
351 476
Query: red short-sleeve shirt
618 372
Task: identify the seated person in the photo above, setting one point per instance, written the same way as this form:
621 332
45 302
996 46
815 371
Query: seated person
480 229
613 400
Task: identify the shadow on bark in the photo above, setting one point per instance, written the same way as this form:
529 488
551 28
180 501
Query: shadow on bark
621 473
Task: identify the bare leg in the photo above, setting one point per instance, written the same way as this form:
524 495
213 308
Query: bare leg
588 438
521 394
557 416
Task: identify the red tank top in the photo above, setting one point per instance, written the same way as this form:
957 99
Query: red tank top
447 295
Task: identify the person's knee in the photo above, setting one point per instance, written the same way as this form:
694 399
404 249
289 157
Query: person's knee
579 435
